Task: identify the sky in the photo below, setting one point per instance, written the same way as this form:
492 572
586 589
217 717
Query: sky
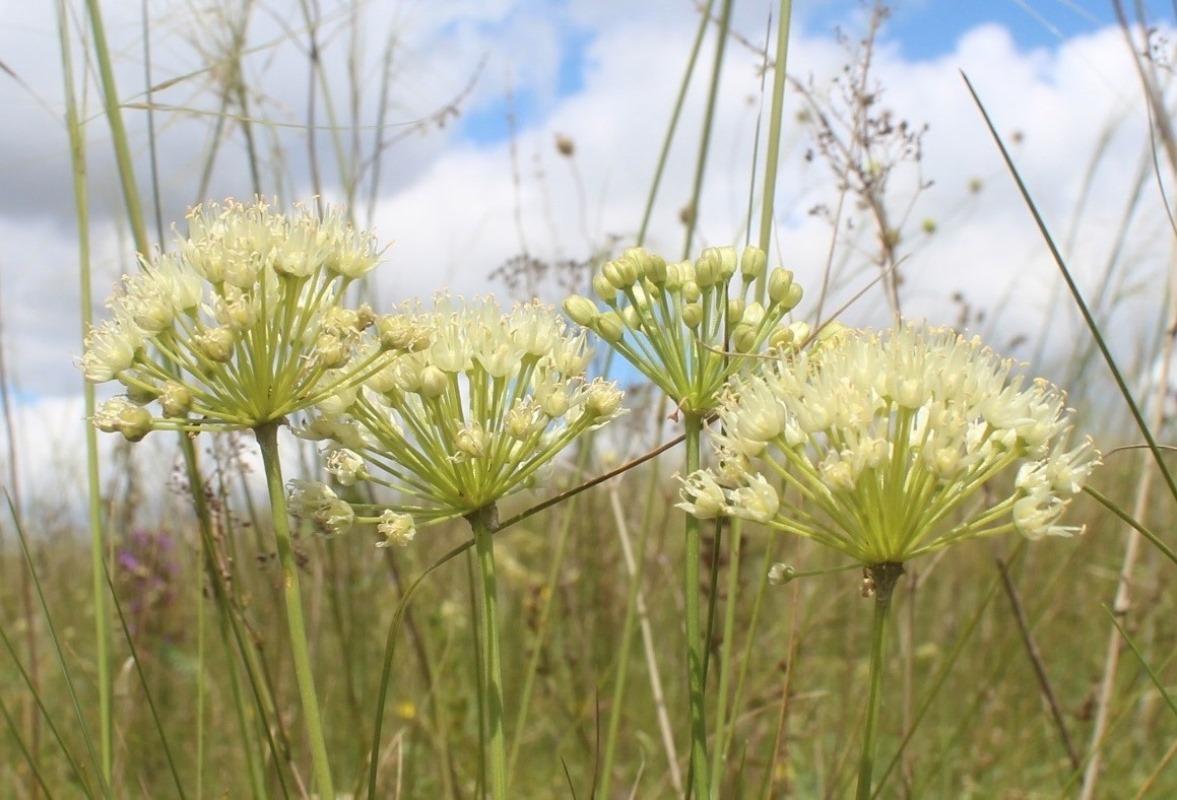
468 98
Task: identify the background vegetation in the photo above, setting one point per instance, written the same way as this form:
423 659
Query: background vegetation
1011 680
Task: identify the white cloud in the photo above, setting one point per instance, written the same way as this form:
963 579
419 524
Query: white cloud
455 208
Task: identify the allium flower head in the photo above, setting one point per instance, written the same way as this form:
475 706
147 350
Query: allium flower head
240 325
882 442
470 405
684 325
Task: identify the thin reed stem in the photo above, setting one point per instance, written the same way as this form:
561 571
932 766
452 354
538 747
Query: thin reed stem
103 628
636 613
541 633
773 144
267 438
883 577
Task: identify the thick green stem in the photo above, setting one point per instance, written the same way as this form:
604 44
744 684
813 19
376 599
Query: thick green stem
882 577
700 769
267 438
484 522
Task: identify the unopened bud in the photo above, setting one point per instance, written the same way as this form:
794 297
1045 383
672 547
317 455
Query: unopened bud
744 339
603 289
581 310
780 281
735 311
752 263
610 327
215 344
175 399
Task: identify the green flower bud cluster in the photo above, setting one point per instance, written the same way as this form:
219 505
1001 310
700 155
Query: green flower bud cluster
239 326
470 404
685 325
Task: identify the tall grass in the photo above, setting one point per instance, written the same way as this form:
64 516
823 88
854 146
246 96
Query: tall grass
630 654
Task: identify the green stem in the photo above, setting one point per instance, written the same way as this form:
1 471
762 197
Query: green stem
723 731
267 438
695 645
884 576
485 522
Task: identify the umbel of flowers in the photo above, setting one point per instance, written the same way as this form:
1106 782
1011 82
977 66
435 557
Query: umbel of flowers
239 326
878 445
689 327
883 441
472 404
684 325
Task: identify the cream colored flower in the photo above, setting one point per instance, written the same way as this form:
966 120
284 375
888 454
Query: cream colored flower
241 325
882 441
471 406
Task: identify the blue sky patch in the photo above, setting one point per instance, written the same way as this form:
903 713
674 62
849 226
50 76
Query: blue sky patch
926 29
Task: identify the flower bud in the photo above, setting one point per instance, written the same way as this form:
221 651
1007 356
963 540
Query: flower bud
692 315
603 289
793 298
176 399
726 258
581 310
215 344
631 317
753 314
553 399
753 262
433 382
401 333
674 277
691 292
781 338
138 392
780 281
331 352
744 338
610 327
735 311
471 441
707 268
621 273
656 270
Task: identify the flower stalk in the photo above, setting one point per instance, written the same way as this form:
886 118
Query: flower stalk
696 678
267 439
484 522
880 580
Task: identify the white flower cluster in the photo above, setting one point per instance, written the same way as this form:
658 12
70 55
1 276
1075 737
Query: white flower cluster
680 324
469 405
239 326
882 440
